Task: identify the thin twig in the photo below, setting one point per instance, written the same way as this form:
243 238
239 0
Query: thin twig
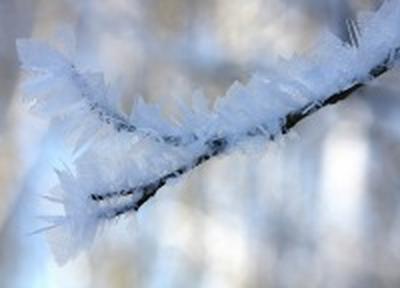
218 145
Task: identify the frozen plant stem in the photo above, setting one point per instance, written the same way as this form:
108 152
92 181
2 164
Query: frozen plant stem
124 159
118 122
219 144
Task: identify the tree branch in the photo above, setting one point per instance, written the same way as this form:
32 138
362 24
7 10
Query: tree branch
219 144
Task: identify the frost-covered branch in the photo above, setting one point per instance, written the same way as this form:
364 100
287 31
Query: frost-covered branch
218 145
129 158
62 85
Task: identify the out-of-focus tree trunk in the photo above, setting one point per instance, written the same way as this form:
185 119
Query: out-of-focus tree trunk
16 18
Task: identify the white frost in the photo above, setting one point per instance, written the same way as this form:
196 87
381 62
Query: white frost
128 151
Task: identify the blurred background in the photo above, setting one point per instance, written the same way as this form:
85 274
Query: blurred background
319 208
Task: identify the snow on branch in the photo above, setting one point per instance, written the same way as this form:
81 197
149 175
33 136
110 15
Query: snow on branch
130 157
